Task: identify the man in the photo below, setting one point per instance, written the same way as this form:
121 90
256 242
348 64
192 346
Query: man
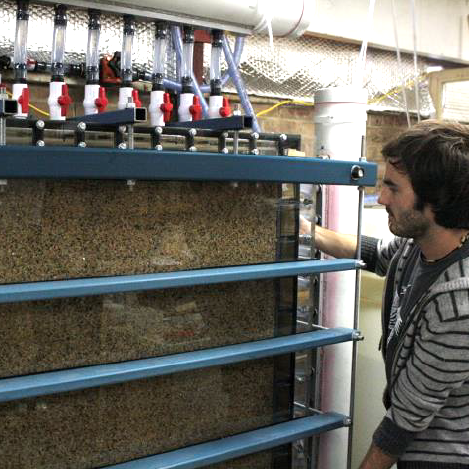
425 341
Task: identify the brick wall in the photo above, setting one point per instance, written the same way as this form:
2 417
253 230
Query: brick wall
298 119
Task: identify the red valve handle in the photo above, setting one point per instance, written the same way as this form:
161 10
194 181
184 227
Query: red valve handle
65 100
225 110
196 109
136 99
24 100
166 107
101 102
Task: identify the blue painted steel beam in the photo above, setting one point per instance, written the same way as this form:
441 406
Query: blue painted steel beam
239 445
102 285
102 375
110 163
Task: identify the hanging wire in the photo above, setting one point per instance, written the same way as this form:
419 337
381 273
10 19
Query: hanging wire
399 62
360 77
416 72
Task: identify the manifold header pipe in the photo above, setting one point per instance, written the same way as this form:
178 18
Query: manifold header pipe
290 18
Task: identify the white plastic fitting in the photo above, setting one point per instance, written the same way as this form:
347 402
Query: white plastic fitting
156 114
91 95
185 102
55 109
214 105
125 93
17 93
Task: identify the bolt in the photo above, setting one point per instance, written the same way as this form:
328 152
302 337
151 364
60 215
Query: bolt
122 146
255 151
357 335
81 126
40 143
158 147
255 135
357 172
224 150
283 137
192 148
224 134
192 132
82 144
122 129
347 421
158 130
40 124
361 264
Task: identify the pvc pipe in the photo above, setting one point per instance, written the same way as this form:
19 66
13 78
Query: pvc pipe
340 124
290 18
239 84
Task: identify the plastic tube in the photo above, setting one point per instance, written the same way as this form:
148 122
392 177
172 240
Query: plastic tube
239 84
126 54
58 43
159 57
187 59
215 63
177 40
92 52
21 40
239 45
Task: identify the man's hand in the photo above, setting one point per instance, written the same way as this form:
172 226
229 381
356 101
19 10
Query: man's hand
376 459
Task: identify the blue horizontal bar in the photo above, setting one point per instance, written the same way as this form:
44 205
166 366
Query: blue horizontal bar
102 285
102 375
239 445
109 163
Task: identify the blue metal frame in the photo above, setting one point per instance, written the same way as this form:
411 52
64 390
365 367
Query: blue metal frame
109 163
239 445
54 382
10 293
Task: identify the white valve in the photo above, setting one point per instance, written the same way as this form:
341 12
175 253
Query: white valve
18 95
125 92
91 95
57 110
185 102
214 105
156 114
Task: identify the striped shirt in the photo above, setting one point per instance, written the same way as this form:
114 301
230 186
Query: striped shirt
427 396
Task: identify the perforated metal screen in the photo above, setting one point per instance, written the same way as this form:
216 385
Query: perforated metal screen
295 68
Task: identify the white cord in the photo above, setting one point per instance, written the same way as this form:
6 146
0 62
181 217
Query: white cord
399 62
416 71
264 9
360 77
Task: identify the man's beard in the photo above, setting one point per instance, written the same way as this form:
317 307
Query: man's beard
411 224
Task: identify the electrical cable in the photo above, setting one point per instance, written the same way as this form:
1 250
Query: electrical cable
399 62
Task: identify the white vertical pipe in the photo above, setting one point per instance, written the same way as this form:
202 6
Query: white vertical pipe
340 124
